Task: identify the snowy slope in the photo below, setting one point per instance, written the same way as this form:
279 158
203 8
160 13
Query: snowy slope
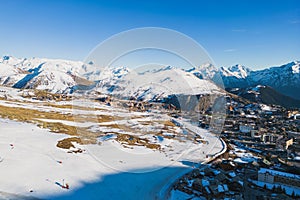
59 76
205 71
155 84
56 76
31 165
237 71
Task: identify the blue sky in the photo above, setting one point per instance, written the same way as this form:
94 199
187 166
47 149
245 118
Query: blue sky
257 34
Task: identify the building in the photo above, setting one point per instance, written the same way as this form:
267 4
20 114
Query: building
255 134
269 138
284 143
292 114
246 128
273 176
297 116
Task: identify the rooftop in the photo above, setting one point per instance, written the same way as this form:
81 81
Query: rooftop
279 173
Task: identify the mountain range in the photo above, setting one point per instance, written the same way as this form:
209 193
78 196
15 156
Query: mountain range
57 76
284 79
63 76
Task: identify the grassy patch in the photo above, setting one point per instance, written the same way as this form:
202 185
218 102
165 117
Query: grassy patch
67 142
169 123
69 106
33 116
136 141
81 135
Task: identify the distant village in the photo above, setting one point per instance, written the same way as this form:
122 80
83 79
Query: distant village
262 160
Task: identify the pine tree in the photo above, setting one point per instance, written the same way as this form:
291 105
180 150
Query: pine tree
283 190
273 188
293 194
279 188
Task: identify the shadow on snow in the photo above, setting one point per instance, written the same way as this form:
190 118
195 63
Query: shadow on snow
127 185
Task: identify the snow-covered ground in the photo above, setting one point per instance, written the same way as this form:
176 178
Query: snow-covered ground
31 161
32 165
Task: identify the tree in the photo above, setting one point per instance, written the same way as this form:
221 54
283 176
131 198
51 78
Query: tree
283 190
265 186
279 188
273 188
293 193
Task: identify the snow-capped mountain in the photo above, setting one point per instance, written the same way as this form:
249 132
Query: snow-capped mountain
62 76
284 79
57 76
205 71
156 84
237 71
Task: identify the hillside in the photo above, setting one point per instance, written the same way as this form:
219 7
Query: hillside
265 95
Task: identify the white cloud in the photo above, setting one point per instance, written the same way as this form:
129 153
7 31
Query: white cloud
294 21
230 50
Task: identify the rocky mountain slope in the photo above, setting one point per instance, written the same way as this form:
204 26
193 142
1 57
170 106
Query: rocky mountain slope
266 95
284 79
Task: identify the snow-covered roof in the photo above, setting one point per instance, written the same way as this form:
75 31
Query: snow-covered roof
207 190
278 173
243 160
232 174
222 188
205 182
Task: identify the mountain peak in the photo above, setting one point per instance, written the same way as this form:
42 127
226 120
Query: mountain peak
166 68
294 66
239 71
284 78
239 68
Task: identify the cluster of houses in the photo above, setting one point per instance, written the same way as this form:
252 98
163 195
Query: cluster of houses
267 129
235 175
210 183
45 96
271 136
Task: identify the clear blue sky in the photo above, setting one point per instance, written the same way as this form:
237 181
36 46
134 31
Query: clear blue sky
254 33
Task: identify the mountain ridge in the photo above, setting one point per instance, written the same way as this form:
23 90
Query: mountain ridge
265 95
284 79
63 76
